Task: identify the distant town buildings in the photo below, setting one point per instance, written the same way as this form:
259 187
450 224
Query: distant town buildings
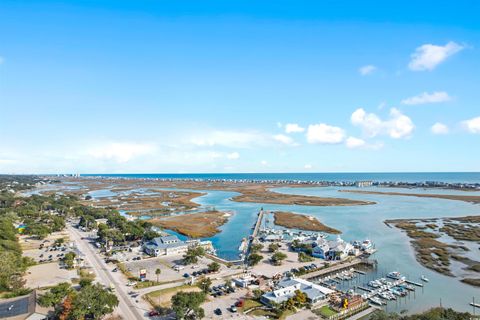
363 184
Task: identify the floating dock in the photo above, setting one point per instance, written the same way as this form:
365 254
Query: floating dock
414 283
364 289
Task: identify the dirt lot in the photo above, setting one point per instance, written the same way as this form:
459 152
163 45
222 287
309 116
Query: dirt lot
48 274
166 264
269 270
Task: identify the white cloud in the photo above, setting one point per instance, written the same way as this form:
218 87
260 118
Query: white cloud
425 97
121 152
232 139
284 139
398 126
308 166
429 56
353 142
264 162
2 60
366 70
233 155
439 128
472 125
323 133
293 128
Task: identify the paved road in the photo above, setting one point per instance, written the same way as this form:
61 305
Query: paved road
125 307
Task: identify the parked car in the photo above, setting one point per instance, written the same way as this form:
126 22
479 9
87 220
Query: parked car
153 313
218 312
233 309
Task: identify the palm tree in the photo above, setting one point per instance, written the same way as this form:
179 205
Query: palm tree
157 272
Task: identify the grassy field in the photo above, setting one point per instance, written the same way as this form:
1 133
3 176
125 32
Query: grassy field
195 225
325 311
162 298
302 222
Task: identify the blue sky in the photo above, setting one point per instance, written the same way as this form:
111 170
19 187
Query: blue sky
239 86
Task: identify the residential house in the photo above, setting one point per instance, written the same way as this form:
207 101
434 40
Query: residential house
286 288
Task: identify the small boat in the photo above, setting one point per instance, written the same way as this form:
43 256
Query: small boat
424 279
376 301
395 275
366 245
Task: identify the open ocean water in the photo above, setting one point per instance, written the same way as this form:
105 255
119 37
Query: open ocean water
464 177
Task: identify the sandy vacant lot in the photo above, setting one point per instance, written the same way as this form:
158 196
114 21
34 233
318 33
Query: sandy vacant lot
269 270
48 274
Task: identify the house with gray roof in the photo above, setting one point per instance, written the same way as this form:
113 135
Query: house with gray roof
286 289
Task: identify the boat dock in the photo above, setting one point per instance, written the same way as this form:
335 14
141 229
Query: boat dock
364 289
338 267
256 228
414 283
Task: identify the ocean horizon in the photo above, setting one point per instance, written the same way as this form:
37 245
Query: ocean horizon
411 177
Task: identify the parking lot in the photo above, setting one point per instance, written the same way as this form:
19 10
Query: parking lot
265 267
172 269
48 274
224 303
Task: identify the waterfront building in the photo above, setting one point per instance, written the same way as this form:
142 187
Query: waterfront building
169 245
286 288
339 249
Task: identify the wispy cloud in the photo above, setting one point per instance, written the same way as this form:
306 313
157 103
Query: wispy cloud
366 70
325 134
429 56
397 126
121 152
2 60
439 128
425 97
293 128
231 139
472 125
284 139
233 156
353 143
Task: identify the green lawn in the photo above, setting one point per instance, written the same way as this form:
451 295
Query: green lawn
325 311
249 304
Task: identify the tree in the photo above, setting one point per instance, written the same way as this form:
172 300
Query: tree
205 284
300 298
11 270
186 305
55 295
213 267
256 247
192 254
69 259
157 272
257 294
303 257
278 257
254 259
273 247
94 302
66 308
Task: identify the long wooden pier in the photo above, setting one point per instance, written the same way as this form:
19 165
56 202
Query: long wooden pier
338 267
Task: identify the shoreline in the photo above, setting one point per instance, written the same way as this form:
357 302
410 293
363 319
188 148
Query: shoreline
198 225
465 198
302 222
